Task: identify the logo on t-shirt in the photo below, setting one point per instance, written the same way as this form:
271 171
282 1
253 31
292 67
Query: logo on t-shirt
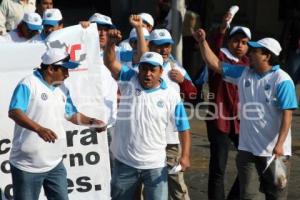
267 87
138 92
44 96
247 83
160 103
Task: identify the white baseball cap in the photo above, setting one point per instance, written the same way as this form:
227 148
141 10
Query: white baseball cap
153 58
268 43
133 34
102 20
33 21
161 36
241 29
52 17
147 18
57 56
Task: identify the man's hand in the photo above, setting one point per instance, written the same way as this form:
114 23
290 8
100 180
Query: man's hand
226 18
185 163
97 125
46 134
278 150
176 76
135 21
114 36
85 24
199 35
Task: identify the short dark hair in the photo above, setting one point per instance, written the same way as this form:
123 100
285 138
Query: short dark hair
40 1
274 60
239 32
45 66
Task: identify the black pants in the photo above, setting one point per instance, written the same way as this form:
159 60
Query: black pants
219 148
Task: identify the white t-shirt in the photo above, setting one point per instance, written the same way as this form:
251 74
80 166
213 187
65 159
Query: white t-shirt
172 137
13 36
48 106
143 118
262 100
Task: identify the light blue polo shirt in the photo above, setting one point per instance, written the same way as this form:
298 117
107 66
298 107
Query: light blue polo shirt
263 97
142 121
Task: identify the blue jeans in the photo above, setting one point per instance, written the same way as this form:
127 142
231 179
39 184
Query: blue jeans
27 186
126 179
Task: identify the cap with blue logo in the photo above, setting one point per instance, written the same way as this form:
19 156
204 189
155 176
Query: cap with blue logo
161 36
102 20
152 58
269 43
52 17
57 56
133 34
33 21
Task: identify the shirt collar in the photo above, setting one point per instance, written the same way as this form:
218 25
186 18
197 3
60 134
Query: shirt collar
163 86
229 55
273 69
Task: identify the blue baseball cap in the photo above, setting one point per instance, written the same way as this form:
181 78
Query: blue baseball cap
161 36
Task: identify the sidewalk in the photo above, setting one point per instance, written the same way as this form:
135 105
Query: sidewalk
196 177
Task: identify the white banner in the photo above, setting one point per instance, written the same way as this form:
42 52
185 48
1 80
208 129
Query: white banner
87 158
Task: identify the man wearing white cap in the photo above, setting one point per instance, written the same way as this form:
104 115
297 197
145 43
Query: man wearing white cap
222 122
39 105
27 30
148 23
52 21
12 12
146 108
177 78
138 39
267 100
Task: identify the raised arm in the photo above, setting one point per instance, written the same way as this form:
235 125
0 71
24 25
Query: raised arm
110 60
207 54
137 23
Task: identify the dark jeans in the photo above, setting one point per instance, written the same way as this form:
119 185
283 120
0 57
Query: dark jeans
219 148
249 167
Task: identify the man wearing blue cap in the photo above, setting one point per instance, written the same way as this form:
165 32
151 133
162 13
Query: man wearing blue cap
39 105
267 100
146 108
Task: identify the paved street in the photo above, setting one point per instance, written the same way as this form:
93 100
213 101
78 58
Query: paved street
197 175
